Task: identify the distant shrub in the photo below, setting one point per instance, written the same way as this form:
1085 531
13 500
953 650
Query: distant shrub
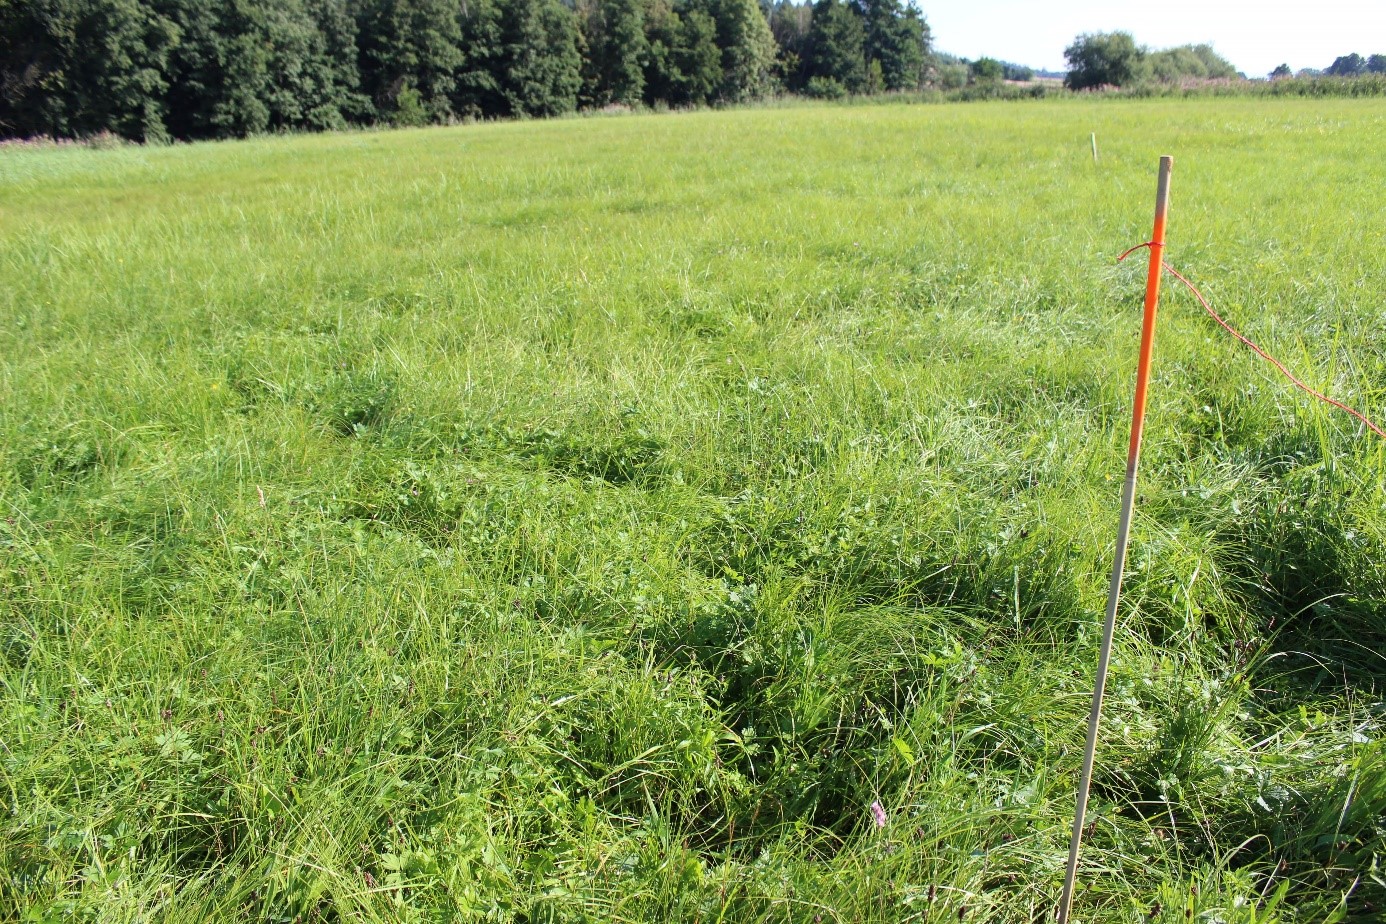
987 70
1188 61
1002 91
824 88
409 108
1364 86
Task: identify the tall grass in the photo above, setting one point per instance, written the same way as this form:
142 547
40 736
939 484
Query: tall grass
589 520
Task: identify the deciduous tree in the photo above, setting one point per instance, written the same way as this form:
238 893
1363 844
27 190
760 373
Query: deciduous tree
684 65
79 67
541 68
1347 66
1103 59
617 51
411 45
836 51
746 45
898 38
790 23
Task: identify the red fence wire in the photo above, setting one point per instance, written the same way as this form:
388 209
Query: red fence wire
1259 352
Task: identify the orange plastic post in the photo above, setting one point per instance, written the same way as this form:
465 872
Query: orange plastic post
1128 500
1152 302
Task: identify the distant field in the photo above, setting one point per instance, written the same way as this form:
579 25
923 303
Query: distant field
588 520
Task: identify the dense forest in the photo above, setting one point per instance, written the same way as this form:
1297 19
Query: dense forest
156 69
153 70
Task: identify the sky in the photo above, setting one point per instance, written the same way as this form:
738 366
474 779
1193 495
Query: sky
1255 35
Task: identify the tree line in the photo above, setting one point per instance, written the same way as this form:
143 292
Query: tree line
161 69
1115 59
186 69
1354 65
864 46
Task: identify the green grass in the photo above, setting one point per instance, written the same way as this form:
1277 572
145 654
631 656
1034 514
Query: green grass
587 520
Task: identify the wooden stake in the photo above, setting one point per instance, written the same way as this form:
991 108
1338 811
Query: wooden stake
1128 497
1094 147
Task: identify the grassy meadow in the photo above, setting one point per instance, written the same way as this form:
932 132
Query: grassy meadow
587 520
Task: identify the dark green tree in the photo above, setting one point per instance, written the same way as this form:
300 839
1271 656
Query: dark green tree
684 64
411 47
908 70
697 57
279 73
617 51
1347 66
247 66
746 45
898 38
340 61
196 76
1281 72
1376 64
661 77
477 88
541 68
1103 59
790 23
836 52
80 67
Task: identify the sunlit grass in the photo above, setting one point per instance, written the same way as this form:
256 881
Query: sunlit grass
589 520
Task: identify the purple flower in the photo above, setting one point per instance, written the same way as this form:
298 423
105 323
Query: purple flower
878 813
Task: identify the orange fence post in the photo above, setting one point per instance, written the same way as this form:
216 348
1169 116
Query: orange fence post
1128 498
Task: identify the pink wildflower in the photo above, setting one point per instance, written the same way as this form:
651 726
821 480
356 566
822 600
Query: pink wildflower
878 813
